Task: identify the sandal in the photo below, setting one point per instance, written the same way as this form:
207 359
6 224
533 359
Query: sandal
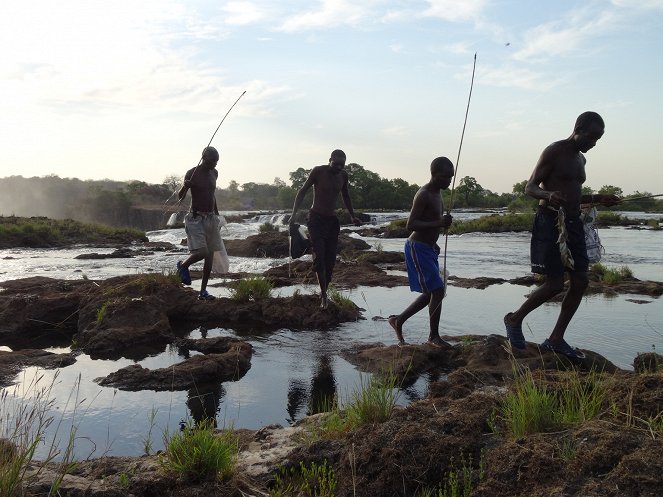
514 332
206 296
563 348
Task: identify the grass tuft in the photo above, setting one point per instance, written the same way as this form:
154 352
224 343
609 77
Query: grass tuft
251 288
198 454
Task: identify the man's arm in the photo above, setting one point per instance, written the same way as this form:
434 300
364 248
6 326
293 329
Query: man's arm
415 221
185 186
345 192
301 193
595 198
541 172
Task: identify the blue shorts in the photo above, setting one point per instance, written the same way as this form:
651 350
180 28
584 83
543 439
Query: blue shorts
423 267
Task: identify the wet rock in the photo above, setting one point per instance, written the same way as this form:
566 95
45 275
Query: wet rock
649 362
11 363
275 244
230 361
121 253
346 275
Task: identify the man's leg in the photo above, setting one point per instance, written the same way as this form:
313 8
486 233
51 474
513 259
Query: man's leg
434 312
397 322
207 270
551 287
577 285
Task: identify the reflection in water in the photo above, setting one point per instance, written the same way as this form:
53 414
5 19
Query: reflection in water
323 387
319 398
204 402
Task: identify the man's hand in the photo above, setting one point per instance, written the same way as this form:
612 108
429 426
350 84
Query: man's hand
445 221
555 199
356 221
610 200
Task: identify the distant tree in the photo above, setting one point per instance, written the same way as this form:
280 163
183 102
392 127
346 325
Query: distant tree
299 177
173 182
468 188
610 190
519 188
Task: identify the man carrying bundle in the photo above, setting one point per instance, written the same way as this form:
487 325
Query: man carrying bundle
558 239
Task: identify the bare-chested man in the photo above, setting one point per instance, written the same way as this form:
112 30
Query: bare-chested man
202 221
323 225
557 182
422 251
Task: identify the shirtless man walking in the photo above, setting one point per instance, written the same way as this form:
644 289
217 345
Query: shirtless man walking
323 225
202 221
422 251
557 182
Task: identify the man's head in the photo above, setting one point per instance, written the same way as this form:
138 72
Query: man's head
441 172
589 128
337 161
210 156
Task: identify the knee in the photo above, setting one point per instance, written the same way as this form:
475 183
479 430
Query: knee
579 282
555 284
202 253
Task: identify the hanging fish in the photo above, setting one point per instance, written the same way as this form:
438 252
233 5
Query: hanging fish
564 252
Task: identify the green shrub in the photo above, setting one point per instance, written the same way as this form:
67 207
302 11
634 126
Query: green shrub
339 299
316 480
198 454
251 288
267 228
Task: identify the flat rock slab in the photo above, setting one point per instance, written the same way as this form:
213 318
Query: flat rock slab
11 363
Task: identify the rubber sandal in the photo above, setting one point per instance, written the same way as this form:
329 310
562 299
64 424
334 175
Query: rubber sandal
183 273
563 348
515 334
206 296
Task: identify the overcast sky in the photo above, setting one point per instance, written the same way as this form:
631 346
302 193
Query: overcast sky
130 89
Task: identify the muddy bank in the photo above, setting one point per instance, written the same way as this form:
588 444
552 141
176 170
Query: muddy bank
459 424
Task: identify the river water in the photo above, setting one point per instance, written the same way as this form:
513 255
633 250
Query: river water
291 370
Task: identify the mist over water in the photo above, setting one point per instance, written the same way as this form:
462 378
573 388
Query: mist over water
291 370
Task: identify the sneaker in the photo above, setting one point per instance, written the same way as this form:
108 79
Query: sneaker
204 295
183 273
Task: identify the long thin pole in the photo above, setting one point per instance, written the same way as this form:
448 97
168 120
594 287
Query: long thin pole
453 184
641 198
200 161
462 135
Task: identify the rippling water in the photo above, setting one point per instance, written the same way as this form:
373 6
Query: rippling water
291 370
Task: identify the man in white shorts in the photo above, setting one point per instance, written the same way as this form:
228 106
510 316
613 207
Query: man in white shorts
202 222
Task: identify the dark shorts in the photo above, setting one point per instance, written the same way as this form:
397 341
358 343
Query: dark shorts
423 266
544 250
323 231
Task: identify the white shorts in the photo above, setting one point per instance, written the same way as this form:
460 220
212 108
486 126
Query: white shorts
202 232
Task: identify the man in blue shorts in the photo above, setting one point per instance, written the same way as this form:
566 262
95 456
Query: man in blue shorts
202 222
422 251
557 182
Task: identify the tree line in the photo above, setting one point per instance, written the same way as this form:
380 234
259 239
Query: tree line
117 203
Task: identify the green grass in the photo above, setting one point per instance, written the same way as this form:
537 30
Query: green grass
24 421
267 228
532 406
315 480
199 454
251 288
457 482
372 402
43 232
339 299
612 276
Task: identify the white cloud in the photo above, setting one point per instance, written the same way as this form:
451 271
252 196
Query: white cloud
395 131
330 14
514 77
565 36
455 10
639 4
242 13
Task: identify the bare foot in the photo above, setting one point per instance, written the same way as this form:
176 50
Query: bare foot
437 342
393 322
324 303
